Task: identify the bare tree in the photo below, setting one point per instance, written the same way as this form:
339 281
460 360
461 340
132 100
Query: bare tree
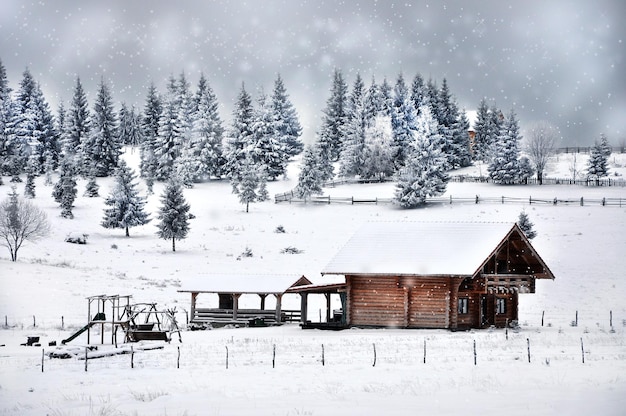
541 142
20 221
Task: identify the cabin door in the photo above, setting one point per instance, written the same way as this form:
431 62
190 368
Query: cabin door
487 311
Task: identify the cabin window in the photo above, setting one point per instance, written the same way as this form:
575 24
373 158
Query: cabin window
500 306
463 306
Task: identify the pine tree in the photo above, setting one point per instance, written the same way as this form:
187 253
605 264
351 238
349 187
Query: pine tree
386 98
150 132
331 133
78 120
31 173
418 92
286 126
247 181
267 150
207 133
309 178
173 214
64 191
171 132
127 206
598 159
526 170
241 135
130 129
461 148
378 150
403 116
373 103
526 226
92 189
352 156
424 174
22 126
605 146
504 166
481 128
102 149
6 115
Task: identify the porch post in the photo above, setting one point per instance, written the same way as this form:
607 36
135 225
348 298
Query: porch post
303 307
235 304
194 295
262 296
279 298
327 306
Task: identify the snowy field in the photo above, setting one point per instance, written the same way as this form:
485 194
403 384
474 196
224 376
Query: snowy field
585 247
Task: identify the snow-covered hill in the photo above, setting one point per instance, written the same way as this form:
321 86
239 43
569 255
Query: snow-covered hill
584 246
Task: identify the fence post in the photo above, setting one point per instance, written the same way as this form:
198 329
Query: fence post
323 361
227 357
132 357
178 358
530 200
62 322
477 199
86 358
611 318
424 350
474 352
582 348
528 345
42 358
34 322
581 201
542 315
576 319
374 345
274 356
603 201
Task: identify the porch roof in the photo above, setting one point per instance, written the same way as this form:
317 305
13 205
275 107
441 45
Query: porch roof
243 283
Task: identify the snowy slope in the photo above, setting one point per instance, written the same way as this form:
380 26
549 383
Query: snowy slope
584 247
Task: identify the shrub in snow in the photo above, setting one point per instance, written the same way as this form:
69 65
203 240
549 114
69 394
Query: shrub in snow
76 238
246 253
280 230
291 250
526 226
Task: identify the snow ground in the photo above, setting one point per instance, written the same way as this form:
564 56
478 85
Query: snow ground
584 247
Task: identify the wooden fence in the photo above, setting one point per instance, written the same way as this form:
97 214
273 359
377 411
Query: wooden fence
547 181
477 199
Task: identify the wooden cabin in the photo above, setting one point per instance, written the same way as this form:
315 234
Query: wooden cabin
436 275
227 291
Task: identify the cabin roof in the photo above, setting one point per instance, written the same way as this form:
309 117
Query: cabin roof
243 283
419 248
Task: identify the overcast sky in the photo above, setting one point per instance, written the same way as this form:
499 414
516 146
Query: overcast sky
562 61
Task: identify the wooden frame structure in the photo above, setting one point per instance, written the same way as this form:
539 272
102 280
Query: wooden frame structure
230 288
435 275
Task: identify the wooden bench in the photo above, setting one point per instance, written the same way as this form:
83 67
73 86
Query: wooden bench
245 317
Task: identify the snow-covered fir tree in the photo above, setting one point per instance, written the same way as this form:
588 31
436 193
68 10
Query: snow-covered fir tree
170 133
102 148
207 133
186 166
130 126
22 125
127 207
526 170
49 166
418 92
605 145
150 131
448 120
461 154
31 173
403 116
372 102
352 156
173 214
482 138
64 190
309 178
331 132
386 98
6 107
504 168
267 151
378 158
240 138
78 120
526 225
286 126
247 180
92 189
424 174
597 165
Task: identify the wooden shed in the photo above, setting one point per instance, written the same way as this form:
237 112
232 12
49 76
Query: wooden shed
436 275
229 288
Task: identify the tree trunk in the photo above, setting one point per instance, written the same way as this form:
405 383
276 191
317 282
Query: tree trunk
540 177
173 244
127 234
247 205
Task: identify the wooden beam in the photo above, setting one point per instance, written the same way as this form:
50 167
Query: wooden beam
235 304
327 306
279 298
304 307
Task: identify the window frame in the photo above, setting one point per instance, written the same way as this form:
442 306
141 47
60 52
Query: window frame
463 306
500 306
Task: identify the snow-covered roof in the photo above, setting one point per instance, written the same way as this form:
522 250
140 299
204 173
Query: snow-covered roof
242 283
418 248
